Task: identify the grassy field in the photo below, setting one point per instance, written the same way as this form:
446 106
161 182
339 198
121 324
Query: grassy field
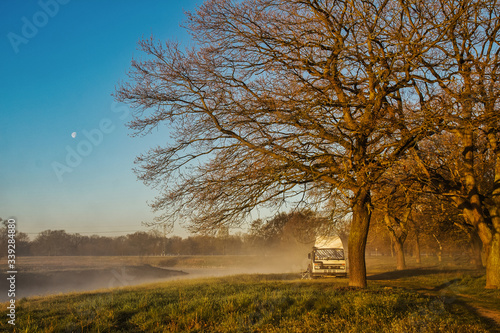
432 298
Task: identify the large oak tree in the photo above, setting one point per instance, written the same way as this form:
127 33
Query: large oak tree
279 99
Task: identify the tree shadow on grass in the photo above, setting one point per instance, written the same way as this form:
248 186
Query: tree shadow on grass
443 291
122 321
394 275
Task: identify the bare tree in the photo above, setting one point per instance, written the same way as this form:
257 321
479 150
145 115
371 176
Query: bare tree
464 67
441 159
277 100
396 218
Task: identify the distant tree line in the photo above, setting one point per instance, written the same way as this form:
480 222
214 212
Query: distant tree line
291 233
61 243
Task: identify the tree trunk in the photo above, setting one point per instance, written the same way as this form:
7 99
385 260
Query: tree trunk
400 255
417 249
492 249
397 233
476 245
440 252
357 239
476 250
490 236
493 263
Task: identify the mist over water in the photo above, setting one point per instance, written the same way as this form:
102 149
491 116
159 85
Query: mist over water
64 281
41 276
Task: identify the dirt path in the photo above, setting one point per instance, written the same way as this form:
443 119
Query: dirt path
492 316
397 279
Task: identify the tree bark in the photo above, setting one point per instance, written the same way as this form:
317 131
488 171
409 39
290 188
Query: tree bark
492 248
400 255
418 259
440 252
357 238
398 233
489 238
476 250
493 263
491 242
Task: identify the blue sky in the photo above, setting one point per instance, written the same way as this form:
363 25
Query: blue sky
61 61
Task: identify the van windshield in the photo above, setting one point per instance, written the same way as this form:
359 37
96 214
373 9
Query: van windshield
329 254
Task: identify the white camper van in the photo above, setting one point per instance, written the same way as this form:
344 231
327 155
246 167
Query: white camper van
327 258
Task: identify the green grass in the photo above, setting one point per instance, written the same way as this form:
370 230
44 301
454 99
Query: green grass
247 303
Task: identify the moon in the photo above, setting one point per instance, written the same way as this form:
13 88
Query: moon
73 135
